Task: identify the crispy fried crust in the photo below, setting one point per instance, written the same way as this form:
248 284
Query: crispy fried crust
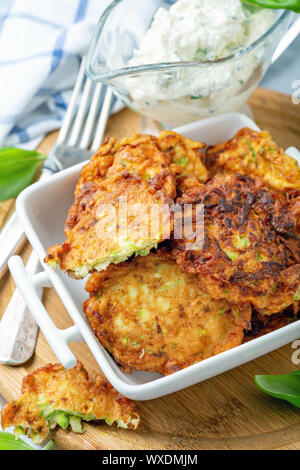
185 159
68 390
255 154
151 316
134 170
251 250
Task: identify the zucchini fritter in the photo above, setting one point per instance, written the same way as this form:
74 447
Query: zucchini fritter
251 249
134 172
255 154
185 159
151 316
54 396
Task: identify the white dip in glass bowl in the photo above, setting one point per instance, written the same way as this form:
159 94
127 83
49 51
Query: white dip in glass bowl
180 61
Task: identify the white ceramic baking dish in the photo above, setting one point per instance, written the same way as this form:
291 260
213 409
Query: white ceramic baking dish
43 207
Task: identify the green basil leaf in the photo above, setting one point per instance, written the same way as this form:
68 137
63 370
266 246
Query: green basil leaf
10 442
293 5
285 387
17 170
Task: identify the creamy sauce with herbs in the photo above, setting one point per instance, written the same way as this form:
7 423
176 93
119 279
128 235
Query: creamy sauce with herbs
196 30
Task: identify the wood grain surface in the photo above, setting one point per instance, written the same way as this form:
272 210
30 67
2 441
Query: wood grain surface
226 412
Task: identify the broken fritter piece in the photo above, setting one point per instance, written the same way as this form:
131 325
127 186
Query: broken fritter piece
151 316
53 396
251 249
255 154
121 207
185 159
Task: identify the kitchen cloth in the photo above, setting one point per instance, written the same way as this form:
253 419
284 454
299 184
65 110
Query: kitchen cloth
41 45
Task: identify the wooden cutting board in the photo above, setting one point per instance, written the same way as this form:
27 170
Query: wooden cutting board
226 412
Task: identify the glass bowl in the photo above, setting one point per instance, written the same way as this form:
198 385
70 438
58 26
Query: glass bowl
175 93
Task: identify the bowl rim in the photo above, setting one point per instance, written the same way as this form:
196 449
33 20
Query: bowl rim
97 76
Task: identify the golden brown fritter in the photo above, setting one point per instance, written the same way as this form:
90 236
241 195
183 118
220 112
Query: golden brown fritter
251 251
262 325
54 396
134 172
185 159
255 154
151 316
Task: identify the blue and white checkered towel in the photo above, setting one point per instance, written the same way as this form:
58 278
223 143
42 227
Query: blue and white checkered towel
41 44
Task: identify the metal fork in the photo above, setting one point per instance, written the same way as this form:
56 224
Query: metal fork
18 330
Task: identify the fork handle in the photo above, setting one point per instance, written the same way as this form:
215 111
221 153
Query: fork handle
12 237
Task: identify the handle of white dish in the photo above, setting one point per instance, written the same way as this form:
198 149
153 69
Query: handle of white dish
57 339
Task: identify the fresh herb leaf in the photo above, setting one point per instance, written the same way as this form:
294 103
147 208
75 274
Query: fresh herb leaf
196 97
17 170
9 442
285 387
293 5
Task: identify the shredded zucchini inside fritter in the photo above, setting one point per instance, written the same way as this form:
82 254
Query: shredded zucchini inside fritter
129 248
